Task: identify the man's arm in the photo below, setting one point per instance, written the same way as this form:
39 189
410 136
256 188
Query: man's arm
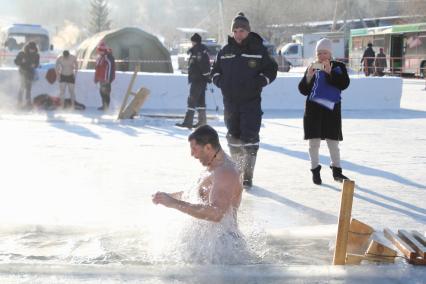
220 199
75 65
58 66
216 72
176 195
270 68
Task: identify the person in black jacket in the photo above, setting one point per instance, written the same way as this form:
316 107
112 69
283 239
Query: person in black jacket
242 68
198 76
368 60
320 122
380 63
27 60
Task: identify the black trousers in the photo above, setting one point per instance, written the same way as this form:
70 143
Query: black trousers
105 91
243 121
197 95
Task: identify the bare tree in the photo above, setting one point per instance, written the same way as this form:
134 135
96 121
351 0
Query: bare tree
99 13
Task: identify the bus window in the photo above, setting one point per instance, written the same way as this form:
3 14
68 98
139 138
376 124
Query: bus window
412 43
17 41
422 46
366 41
357 43
379 42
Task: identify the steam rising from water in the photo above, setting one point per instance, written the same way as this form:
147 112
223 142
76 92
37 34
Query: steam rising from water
67 36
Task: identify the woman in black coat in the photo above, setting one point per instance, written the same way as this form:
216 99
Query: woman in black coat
324 79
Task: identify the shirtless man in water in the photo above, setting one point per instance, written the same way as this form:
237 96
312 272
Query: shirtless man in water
220 190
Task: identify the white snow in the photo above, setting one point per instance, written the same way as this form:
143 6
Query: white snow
75 203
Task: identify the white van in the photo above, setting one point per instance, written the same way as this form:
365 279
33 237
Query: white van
14 38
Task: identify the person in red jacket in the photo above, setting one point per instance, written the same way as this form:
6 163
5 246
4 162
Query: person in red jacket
104 73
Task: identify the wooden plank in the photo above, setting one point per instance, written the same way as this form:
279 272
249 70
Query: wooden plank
406 250
419 237
359 235
418 261
136 104
128 92
352 258
416 245
379 252
344 222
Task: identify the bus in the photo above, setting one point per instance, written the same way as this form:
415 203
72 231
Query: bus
14 37
404 46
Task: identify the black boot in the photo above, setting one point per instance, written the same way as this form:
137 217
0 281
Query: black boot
202 118
337 174
187 121
249 163
316 176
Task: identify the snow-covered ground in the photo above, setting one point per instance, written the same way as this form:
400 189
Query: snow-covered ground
75 202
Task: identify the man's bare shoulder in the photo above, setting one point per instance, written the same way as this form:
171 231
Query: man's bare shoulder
227 174
227 170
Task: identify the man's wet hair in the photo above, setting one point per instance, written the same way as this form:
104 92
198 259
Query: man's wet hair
66 53
204 135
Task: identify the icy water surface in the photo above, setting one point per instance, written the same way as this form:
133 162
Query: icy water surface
76 207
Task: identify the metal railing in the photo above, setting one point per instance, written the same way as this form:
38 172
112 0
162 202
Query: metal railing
396 66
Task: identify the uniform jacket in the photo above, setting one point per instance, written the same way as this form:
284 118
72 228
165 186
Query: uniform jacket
27 63
380 61
241 71
198 64
318 121
368 55
105 68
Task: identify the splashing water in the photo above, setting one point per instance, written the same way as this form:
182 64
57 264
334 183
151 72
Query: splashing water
204 242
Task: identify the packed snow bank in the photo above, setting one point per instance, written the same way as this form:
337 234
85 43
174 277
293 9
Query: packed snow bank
169 91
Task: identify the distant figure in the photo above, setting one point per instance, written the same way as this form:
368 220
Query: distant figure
320 122
219 190
198 77
66 69
283 64
11 44
104 73
368 59
242 69
27 60
380 63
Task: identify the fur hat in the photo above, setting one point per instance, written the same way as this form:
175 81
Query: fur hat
323 44
102 47
196 38
30 45
240 21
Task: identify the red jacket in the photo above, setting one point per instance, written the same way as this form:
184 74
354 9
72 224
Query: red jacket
105 68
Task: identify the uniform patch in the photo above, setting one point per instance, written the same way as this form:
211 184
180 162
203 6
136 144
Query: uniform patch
252 63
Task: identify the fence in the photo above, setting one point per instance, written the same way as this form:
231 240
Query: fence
396 66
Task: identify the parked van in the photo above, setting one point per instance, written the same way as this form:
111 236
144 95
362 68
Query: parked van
14 38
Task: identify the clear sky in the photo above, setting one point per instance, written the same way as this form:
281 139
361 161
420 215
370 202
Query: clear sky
8 8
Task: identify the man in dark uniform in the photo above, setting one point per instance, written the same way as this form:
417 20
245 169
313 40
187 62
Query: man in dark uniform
27 60
242 68
368 60
198 76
